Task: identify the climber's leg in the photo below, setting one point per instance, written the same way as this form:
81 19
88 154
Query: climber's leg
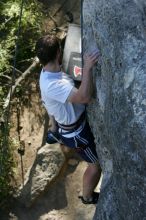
82 141
91 178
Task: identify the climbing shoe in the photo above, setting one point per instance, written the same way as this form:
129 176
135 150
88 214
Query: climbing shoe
93 200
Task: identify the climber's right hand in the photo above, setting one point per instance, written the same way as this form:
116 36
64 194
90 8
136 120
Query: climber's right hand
91 59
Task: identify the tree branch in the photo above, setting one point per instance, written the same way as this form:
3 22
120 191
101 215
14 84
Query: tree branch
6 77
53 19
59 9
17 71
18 81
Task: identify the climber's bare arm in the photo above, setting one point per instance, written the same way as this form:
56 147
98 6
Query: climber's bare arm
84 93
52 123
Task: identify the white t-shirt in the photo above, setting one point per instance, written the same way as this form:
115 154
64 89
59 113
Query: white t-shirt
55 89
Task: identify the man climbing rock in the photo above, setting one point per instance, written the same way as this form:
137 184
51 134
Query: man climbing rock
67 105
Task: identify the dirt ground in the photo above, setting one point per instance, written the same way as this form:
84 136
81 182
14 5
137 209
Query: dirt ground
60 201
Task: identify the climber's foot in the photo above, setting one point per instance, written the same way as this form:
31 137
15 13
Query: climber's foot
92 200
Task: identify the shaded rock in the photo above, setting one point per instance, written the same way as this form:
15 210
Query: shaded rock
47 165
73 162
118 113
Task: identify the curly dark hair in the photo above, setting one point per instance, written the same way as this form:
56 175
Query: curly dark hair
47 48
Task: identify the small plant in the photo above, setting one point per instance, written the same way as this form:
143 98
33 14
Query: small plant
7 164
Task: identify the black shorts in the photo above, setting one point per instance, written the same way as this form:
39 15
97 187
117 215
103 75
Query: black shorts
82 141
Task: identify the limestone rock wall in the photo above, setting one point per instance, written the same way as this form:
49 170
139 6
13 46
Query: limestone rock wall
118 113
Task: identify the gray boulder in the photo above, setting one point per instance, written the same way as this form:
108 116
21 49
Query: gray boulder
118 113
47 166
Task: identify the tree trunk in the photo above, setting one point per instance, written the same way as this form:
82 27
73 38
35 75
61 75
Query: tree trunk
118 113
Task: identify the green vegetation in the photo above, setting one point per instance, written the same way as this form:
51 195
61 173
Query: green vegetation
29 32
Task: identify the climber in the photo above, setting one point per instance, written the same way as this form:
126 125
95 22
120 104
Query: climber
67 105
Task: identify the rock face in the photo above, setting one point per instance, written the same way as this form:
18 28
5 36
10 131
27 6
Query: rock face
47 165
118 28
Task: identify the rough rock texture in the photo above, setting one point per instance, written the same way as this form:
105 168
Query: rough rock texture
47 165
118 28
